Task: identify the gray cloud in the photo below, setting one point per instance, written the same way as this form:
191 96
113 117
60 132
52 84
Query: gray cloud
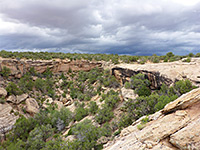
118 26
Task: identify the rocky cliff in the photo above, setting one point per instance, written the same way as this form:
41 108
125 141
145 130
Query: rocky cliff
177 126
20 67
161 72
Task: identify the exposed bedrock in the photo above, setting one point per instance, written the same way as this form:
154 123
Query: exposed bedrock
20 67
160 73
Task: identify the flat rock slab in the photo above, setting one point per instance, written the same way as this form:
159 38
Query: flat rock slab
188 137
163 127
186 100
172 70
7 119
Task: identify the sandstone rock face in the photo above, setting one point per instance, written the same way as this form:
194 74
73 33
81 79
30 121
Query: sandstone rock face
128 94
21 98
3 92
7 119
12 98
17 99
160 72
184 101
164 127
32 106
20 67
175 127
188 137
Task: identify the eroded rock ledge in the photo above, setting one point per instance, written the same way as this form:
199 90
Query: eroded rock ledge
20 67
160 73
177 126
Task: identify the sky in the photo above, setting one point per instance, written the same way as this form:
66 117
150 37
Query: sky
133 27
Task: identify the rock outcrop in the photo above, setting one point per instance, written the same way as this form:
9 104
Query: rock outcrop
17 99
20 67
32 106
160 73
128 94
177 126
3 92
7 118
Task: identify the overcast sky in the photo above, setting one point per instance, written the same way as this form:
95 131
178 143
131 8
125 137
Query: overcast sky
137 27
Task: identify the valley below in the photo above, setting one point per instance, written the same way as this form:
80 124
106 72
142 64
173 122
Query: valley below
90 104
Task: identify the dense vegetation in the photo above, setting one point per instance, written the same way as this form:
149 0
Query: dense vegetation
45 129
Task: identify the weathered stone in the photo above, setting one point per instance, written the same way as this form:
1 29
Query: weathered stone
59 104
21 98
20 67
103 140
188 137
7 118
128 94
161 146
32 106
12 98
47 102
71 107
129 142
3 92
17 99
69 138
163 127
160 73
184 101
155 116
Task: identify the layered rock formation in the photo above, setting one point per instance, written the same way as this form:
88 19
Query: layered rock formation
7 117
20 67
177 126
161 72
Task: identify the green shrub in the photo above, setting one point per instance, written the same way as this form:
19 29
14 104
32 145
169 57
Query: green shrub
5 72
86 134
93 107
127 85
105 114
187 60
80 112
13 89
183 86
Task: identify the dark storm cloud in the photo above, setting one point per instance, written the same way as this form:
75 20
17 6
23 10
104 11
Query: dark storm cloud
118 26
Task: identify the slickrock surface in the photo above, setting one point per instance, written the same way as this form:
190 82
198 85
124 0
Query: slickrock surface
177 127
7 119
159 73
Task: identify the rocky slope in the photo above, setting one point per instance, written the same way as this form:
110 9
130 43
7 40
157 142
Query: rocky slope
174 127
20 67
160 72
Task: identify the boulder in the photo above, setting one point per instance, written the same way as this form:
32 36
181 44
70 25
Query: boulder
12 98
21 98
128 94
32 106
7 119
3 92
71 107
188 137
47 102
184 101
17 99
